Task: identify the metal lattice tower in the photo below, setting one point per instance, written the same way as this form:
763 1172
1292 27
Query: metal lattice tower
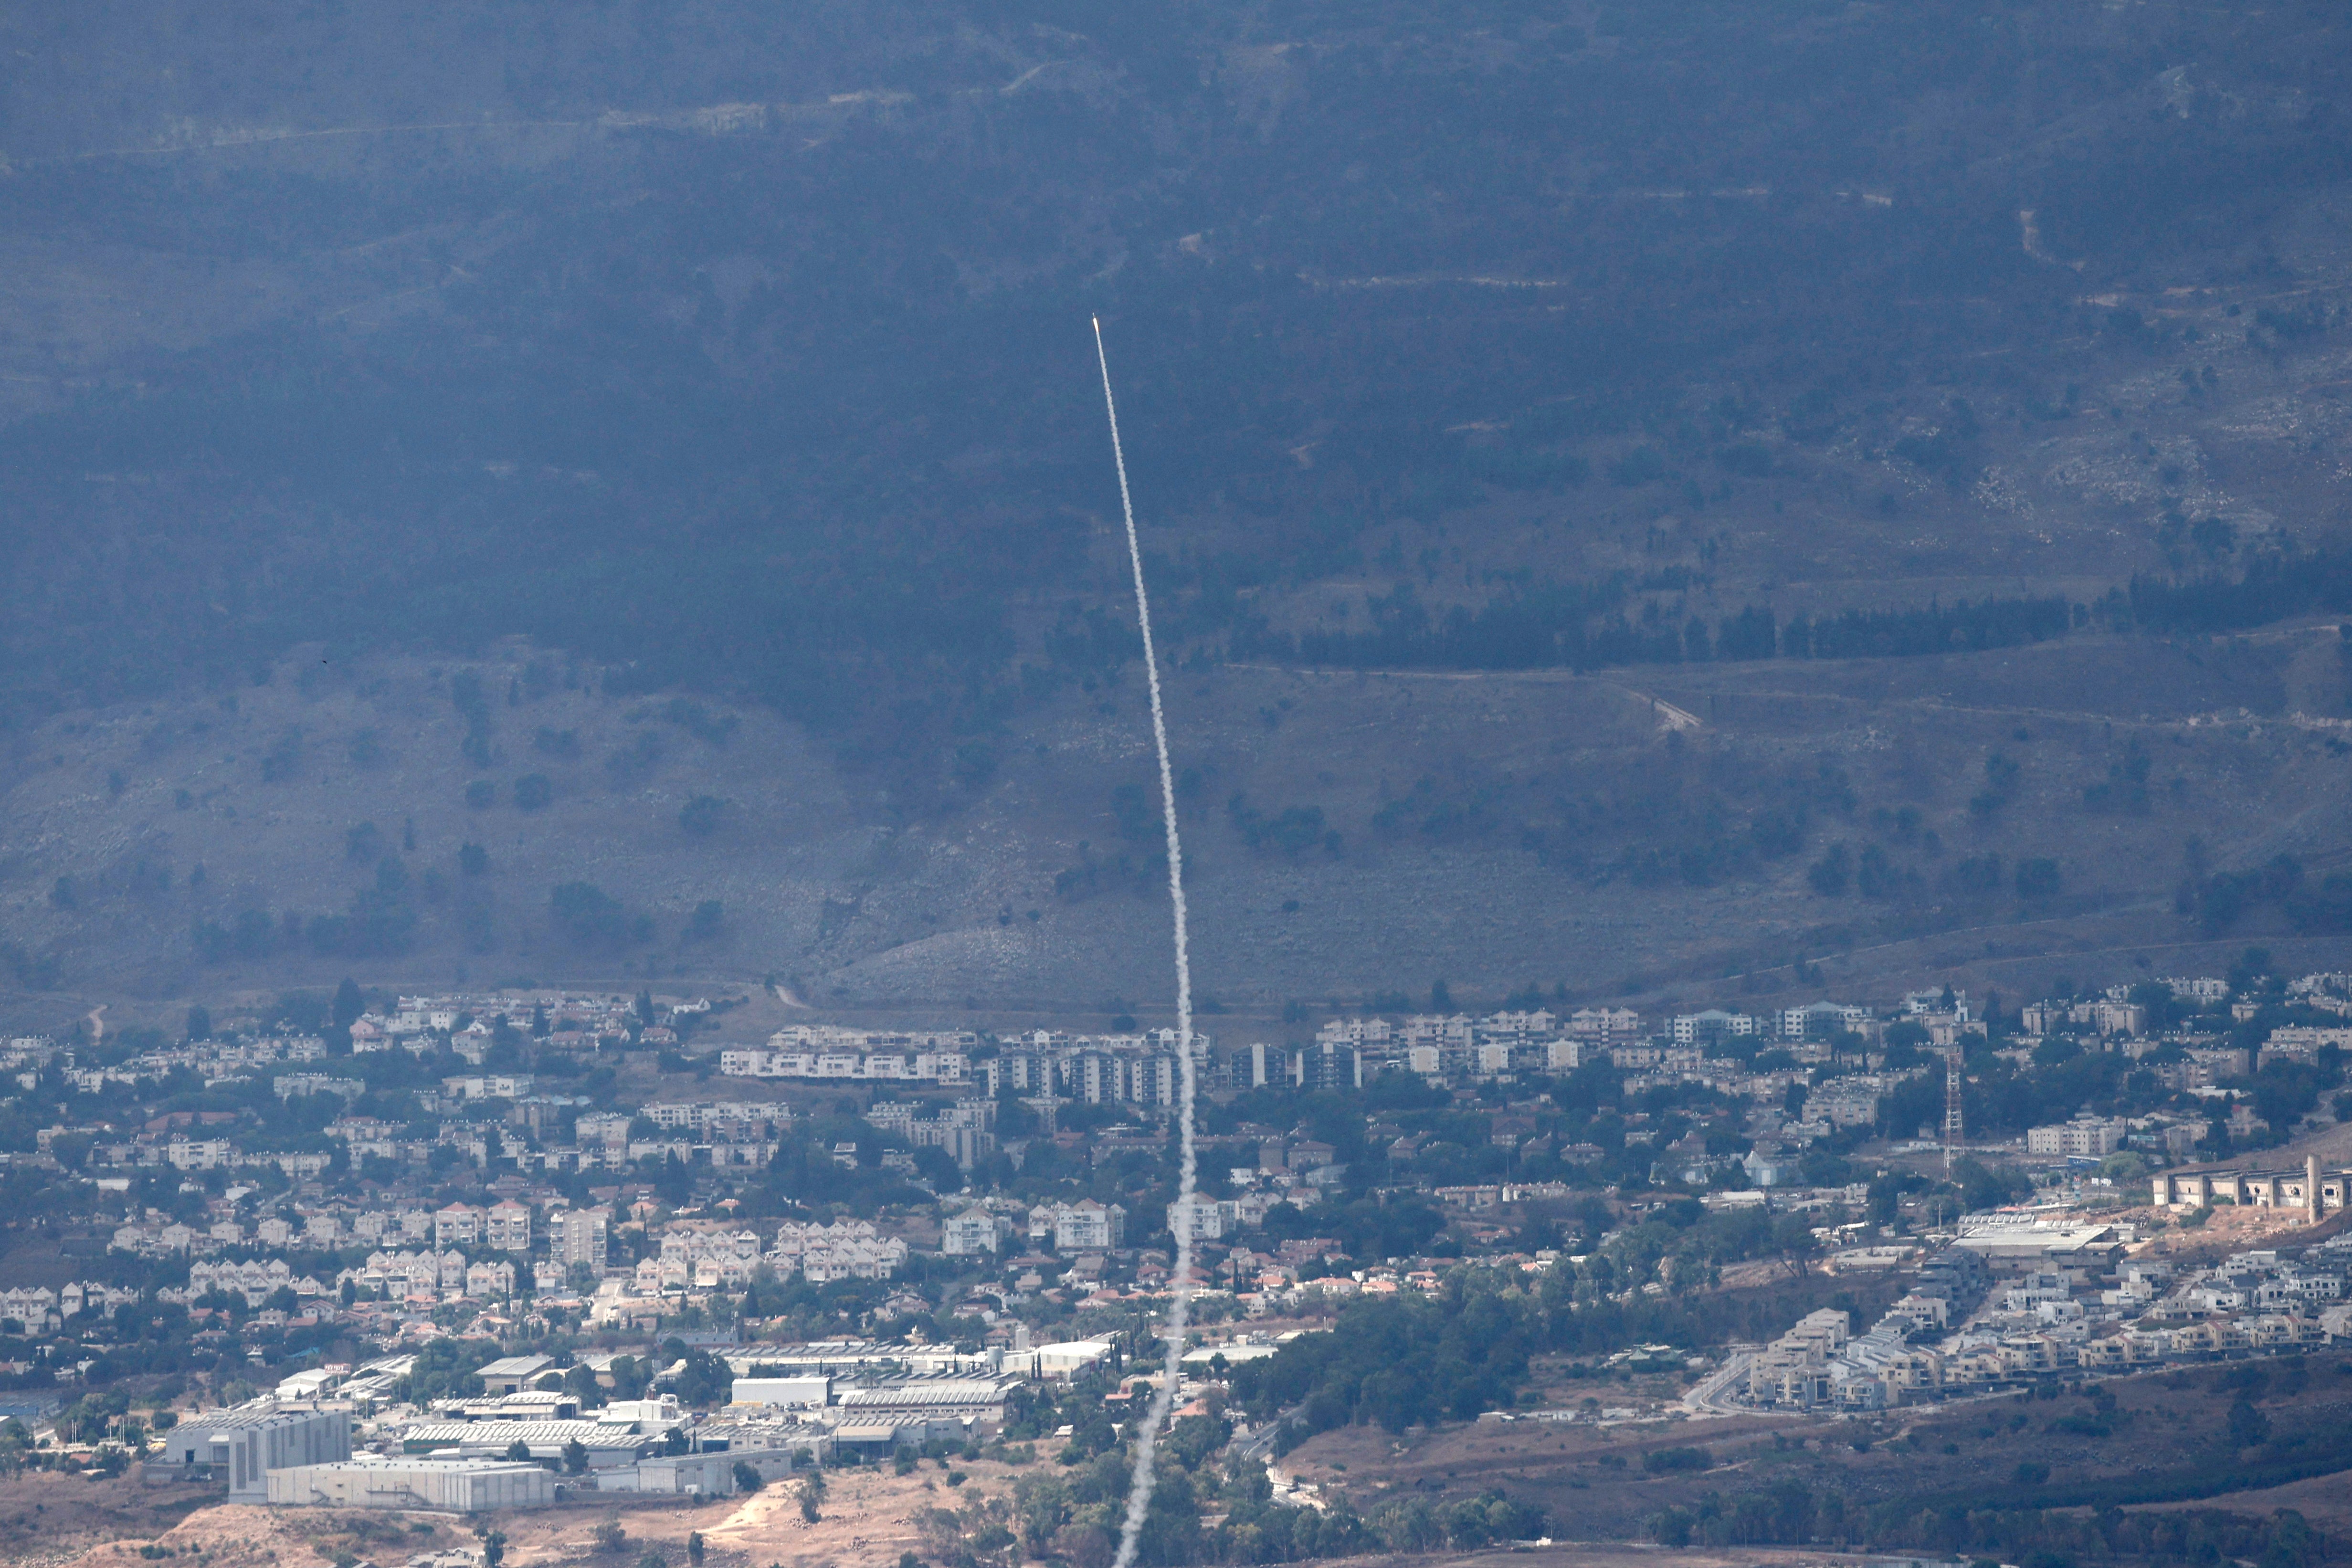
1955 1124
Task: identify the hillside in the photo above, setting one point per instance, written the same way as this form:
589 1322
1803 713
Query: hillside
1350 836
1941 410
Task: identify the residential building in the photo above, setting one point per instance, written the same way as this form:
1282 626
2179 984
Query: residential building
506 1227
577 1236
2084 1136
974 1231
1087 1226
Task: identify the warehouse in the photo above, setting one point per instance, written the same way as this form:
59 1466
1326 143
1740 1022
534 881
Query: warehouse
449 1486
608 1445
812 1392
242 1446
971 1401
2011 1246
701 1475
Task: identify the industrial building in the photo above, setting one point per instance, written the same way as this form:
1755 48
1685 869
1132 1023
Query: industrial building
451 1486
710 1473
609 1445
2311 1190
2017 1243
1068 1359
242 1446
514 1373
970 1402
845 1356
812 1392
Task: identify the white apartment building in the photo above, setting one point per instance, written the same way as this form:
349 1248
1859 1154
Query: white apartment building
974 1231
2084 1136
1084 1226
506 1227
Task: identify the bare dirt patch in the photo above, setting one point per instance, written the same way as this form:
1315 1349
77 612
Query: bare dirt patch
868 1517
48 1518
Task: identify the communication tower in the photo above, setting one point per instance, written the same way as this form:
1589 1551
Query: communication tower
1955 1126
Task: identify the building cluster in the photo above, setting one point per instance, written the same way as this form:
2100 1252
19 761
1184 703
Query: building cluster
2015 1299
346 1437
469 1024
827 1051
525 1195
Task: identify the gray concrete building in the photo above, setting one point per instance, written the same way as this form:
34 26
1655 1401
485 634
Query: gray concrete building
241 1446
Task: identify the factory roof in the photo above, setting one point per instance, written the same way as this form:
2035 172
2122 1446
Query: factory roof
516 1366
246 1416
530 1434
925 1394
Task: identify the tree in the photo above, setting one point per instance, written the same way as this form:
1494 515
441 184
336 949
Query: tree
700 816
519 1452
694 1548
811 1490
2038 878
575 1458
1793 1239
494 1547
582 1385
200 1023
1983 1187
349 1003
747 1479
588 915
2248 1425
706 1381
473 860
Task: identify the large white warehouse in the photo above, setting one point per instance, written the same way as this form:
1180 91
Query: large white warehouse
453 1486
241 1446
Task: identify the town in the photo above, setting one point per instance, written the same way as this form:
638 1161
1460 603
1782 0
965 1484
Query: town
494 1251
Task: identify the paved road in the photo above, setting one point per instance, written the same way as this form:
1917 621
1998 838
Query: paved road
1711 1396
1259 1444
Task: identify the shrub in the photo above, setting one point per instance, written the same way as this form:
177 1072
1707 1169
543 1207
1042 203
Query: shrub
1661 1461
700 816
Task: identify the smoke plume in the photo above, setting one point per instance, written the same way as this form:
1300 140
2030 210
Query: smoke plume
1147 1446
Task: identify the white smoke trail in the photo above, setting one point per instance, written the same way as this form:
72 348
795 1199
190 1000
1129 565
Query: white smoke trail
1147 1445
